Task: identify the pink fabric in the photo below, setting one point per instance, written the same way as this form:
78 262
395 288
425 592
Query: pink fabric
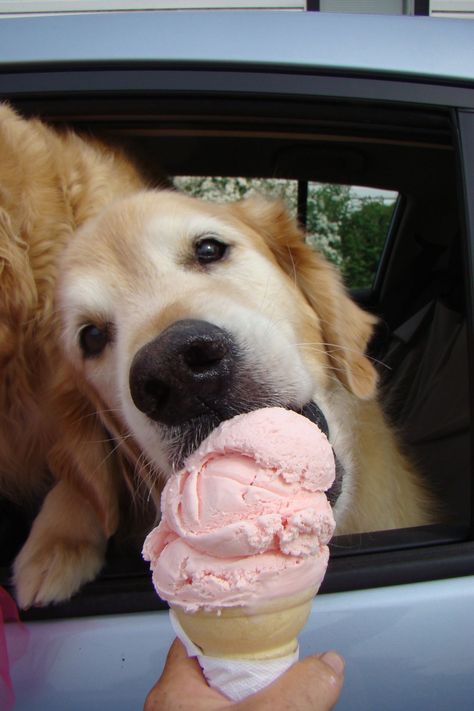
8 613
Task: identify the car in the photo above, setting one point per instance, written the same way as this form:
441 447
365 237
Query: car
385 105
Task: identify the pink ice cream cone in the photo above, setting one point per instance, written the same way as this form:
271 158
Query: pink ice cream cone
242 546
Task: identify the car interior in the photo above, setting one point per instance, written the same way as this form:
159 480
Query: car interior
418 290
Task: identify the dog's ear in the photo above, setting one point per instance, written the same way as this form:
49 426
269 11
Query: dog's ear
84 453
346 328
93 452
18 291
67 542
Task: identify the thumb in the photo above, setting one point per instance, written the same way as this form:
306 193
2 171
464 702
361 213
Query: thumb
182 686
314 683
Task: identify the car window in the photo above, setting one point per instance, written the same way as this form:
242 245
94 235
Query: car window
348 223
377 185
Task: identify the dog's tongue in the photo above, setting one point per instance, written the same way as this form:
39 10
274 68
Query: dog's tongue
247 519
315 415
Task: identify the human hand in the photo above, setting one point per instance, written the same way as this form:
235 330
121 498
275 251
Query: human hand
313 684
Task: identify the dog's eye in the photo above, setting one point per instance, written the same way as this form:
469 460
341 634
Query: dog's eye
93 339
209 249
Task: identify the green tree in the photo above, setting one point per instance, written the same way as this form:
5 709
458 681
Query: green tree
326 208
362 234
224 189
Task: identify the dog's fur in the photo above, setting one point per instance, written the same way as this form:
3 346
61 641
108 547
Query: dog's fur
82 241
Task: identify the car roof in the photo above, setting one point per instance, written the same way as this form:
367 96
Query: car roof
397 46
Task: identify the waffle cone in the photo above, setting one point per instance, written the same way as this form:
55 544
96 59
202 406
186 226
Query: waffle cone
268 631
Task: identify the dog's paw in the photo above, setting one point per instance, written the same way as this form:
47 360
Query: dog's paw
55 570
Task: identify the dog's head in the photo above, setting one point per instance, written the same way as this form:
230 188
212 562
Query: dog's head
179 314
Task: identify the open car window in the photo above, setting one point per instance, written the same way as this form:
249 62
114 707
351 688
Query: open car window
349 224
377 185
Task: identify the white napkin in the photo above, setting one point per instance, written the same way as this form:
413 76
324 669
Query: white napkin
235 678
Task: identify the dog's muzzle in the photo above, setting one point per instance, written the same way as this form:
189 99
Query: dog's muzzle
191 377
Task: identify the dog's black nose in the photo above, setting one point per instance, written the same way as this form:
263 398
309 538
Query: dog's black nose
182 372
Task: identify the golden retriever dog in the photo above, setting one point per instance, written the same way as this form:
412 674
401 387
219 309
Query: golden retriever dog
133 321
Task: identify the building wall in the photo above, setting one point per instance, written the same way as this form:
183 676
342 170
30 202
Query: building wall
436 8
452 8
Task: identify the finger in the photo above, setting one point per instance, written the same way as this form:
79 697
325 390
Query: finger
314 683
182 686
